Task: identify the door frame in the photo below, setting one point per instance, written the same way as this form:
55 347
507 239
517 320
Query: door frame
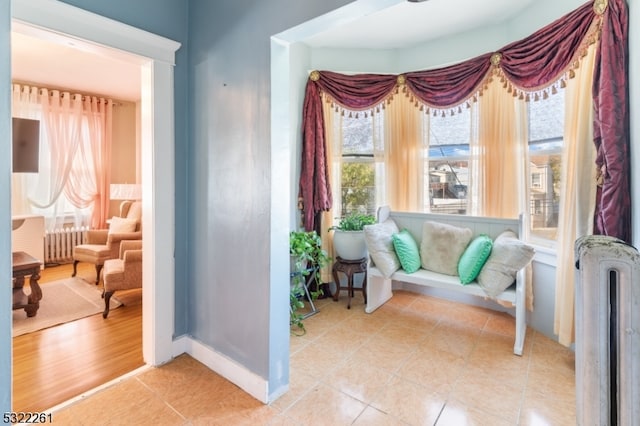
156 57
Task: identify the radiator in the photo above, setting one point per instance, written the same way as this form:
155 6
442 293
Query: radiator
27 235
59 243
607 302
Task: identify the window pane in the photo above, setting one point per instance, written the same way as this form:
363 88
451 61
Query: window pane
357 134
448 186
358 187
546 128
449 137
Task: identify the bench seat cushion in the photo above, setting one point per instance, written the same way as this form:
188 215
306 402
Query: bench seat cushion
449 282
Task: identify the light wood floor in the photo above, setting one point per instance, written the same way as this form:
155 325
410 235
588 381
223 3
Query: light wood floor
56 364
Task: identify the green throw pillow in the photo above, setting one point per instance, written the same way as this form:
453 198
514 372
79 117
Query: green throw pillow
407 251
474 258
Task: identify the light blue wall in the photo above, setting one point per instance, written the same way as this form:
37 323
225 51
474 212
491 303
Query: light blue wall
5 212
239 240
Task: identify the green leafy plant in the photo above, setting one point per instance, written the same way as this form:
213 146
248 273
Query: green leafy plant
354 222
307 258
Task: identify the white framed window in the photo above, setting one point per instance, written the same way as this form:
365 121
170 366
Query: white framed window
446 189
447 162
358 176
546 130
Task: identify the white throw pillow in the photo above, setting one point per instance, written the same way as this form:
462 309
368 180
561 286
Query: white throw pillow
442 245
378 238
120 225
508 256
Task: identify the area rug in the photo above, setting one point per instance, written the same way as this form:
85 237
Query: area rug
62 301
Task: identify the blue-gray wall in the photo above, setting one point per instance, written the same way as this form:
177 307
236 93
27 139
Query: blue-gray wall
234 301
5 212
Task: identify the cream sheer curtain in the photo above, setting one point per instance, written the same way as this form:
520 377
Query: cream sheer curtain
404 155
498 163
333 140
75 143
578 191
86 186
499 155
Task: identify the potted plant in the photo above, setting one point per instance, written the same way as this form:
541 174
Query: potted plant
348 236
307 258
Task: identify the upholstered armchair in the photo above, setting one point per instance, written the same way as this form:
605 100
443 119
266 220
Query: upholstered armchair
123 273
104 244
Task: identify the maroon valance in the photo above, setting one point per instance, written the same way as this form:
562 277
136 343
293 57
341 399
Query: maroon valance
544 56
530 64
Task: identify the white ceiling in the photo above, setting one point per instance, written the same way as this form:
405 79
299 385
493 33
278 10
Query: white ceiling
60 62
404 24
54 61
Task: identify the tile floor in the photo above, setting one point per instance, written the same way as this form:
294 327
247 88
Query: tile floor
417 360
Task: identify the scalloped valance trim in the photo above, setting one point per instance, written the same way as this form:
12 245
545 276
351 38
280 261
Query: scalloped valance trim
479 72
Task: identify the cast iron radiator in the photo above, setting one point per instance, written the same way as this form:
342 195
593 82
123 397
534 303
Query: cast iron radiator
607 313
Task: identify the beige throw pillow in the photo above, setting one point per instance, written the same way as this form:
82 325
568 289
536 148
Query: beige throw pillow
120 225
442 245
508 256
378 238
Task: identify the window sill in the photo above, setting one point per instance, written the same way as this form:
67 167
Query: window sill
545 255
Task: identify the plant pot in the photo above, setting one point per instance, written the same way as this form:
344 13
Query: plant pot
295 265
349 245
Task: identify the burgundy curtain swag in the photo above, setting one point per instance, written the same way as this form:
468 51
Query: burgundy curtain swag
525 66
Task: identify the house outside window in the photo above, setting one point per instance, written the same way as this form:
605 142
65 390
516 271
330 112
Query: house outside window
448 159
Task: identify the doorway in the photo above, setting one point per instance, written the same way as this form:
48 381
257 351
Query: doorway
156 59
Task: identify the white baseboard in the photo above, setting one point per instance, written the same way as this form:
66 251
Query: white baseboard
254 385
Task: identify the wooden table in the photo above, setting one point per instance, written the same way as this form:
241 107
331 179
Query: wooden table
349 268
26 265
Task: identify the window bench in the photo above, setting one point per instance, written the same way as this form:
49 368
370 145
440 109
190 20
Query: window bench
379 288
